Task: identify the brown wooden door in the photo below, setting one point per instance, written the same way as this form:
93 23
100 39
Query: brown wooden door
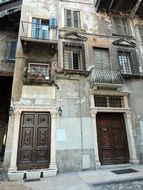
112 139
34 140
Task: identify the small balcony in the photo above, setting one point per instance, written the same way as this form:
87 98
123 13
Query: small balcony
35 33
105 76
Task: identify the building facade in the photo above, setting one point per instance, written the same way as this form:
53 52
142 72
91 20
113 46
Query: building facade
77 88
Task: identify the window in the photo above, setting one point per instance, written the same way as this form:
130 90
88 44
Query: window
128 62
39 70
108 101
141 32
40 27
72 18
11 50
74 57
120 26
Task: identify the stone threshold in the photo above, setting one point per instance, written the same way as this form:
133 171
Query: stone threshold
34 174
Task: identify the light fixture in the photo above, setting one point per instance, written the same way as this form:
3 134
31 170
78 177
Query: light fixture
60 111
11 111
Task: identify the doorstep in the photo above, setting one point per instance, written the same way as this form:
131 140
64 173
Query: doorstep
31 174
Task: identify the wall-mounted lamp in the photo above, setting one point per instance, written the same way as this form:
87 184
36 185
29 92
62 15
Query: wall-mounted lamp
11 111
60 111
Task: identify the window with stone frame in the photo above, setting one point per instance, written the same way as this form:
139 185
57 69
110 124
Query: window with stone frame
74 57
128 61
141 32
121 26
72 18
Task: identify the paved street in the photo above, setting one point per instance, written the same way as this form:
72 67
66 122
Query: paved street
100 179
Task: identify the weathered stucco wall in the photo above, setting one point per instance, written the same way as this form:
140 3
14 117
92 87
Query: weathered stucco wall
6 67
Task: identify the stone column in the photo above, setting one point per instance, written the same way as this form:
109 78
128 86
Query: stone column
130 137
53 164
95 142
13 162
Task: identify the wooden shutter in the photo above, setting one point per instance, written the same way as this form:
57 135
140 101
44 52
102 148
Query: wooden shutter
141 33
53 22
120 26
134 62
76 19
101 58
68 18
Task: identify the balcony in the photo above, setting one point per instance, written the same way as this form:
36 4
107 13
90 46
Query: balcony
131 6
105 76
34 34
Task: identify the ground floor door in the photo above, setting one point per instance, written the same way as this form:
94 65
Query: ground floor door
112 139
34 140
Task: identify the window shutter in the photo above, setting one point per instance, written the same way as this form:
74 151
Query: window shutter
141 33
68 19
124 27
76 17
53 22
120 26
117 25
134 62
12 50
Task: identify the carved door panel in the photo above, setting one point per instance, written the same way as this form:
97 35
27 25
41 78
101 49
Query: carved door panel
112 139
34 141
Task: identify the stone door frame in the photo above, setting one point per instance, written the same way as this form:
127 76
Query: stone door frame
18 109
128 123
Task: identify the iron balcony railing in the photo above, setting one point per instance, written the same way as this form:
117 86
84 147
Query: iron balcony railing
39 31
105 75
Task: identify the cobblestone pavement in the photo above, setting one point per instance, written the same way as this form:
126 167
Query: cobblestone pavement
124 185
6 185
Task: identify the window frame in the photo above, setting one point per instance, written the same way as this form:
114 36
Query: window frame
72 18
10 49
133 60
71 49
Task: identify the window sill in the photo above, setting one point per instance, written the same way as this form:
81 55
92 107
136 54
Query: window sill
69 71
123 35
132 76
80 72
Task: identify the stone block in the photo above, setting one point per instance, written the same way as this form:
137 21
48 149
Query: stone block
15 176
30 175
49 172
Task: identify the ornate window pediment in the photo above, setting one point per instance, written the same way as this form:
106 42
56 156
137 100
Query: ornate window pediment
72 35
124 42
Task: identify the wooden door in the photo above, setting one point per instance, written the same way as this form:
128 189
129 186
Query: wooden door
34 140
112 139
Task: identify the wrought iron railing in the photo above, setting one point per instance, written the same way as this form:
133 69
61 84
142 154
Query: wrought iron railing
39 31
105 75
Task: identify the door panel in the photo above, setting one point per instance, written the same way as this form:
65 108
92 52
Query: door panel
112 139
34 140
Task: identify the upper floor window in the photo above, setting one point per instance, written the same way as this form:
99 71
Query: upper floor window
120 26
141 32
11 51
128 62
101 57
40 27
74 57
72 18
